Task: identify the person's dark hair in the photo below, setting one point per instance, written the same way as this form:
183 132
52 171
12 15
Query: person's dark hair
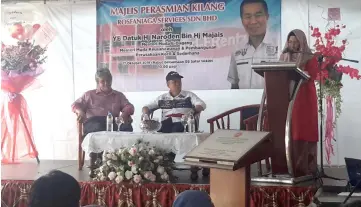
55 189
244 2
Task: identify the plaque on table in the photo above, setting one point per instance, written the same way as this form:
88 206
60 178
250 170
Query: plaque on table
226 149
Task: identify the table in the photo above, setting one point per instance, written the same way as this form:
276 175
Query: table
178 143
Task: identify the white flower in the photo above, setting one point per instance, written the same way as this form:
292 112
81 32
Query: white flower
132 151
120 174
164 176
109 162
114 157
119 179
151 152
147 175
160 169
103 178
109 156
122 157
128 175
130 163
137 178
134 169
152 178
141 149
141 158
101 169
120 151
156 161
112 175
121 168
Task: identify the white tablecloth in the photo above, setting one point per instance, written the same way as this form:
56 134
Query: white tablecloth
178 143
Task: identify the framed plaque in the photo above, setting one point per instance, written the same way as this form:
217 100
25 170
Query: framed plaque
225 149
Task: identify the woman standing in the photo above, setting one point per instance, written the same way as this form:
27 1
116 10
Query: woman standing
304 115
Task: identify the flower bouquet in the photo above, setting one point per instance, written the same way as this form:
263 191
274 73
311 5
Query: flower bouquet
139 163
330 77
20 65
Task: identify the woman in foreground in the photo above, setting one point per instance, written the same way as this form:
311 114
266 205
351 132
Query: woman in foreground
304 125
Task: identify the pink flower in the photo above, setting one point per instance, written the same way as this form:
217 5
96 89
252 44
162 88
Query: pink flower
132 151
130 163
326 45
137 178
147 175
153 178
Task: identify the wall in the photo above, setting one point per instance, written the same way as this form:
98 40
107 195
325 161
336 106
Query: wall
59 141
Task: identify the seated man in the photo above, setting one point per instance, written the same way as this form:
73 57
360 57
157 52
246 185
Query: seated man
93 107
174 104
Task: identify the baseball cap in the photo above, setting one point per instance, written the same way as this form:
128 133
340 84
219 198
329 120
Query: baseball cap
173 76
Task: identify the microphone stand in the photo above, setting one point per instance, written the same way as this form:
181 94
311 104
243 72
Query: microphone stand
352 191
321 174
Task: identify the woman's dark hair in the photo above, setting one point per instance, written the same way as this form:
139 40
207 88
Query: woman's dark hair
244 2
55 189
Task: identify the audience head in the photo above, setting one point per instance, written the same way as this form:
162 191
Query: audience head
55 189
254 15
104 78
193 198
174 82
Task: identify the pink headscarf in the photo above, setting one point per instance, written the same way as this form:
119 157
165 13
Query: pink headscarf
299 58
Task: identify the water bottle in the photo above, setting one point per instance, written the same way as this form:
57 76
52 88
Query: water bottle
109 122
191 124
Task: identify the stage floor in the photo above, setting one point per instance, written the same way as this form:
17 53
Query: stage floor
16 180
30 170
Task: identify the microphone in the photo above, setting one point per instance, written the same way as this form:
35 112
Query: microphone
287 51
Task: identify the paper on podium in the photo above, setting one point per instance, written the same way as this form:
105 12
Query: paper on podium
225 148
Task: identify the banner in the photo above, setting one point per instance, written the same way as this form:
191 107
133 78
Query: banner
211 43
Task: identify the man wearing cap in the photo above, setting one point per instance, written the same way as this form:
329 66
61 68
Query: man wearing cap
174 104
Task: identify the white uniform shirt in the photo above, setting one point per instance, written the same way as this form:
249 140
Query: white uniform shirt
184 103
240 71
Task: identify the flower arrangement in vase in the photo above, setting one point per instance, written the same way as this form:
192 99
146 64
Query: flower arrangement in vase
330 77
21 64
138 163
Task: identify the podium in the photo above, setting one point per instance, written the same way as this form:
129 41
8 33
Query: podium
229 154
282 82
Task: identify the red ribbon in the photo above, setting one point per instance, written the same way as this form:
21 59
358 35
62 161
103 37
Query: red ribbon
329 132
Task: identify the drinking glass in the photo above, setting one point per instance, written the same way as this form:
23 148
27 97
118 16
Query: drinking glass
119 121
184 121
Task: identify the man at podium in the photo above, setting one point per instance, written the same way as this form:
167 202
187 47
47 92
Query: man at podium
304 116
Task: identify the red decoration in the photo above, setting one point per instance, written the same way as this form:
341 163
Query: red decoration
36 27
327 45
21 65
15 193
16 30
